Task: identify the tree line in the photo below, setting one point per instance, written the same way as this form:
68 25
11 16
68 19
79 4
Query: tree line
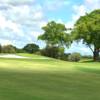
57 38
29 48
53 52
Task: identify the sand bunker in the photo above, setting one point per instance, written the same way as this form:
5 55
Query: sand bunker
11 56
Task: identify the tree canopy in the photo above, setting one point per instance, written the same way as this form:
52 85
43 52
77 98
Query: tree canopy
31 48
55 34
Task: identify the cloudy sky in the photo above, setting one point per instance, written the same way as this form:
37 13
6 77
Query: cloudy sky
21 20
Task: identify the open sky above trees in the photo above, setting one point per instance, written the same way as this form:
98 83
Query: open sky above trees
21 20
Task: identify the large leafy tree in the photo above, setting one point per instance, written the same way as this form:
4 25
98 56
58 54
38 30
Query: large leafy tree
87 29
31 48
55 34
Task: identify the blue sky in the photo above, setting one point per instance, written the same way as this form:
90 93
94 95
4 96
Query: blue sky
21 20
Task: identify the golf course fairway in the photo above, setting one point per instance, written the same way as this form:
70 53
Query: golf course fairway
38 78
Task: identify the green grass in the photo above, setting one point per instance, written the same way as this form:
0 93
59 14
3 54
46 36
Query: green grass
48 79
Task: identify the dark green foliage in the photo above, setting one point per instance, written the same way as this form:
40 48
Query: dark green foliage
75 57
65 56
87 57
50 52
31 48
54 52
38 52
19 50
55 34
8 49
0 49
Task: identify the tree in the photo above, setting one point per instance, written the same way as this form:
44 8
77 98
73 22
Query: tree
87 29
55 35
31 48
8 49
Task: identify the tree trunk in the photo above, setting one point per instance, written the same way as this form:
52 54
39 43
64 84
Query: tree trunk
96 55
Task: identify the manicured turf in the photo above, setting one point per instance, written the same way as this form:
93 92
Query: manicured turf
48 79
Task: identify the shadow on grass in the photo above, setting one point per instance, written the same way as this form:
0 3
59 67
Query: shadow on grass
87 61
89 70
16 85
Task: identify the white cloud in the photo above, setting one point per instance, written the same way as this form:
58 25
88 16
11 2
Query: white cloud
16 1
5 42
82 9
88 6
21 23
92 4
8 24
35 34
2 21
70 24
42 23
38 15
78 11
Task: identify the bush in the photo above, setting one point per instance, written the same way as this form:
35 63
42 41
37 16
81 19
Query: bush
61 52
75 57
87 57
65 56
19 50
50 52
8 49
38 53
0 48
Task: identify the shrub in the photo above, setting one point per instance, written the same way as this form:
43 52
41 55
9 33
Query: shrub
65 56
8 49
19 50
61 52
0 48
50 52
87 57
75 57
38 53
